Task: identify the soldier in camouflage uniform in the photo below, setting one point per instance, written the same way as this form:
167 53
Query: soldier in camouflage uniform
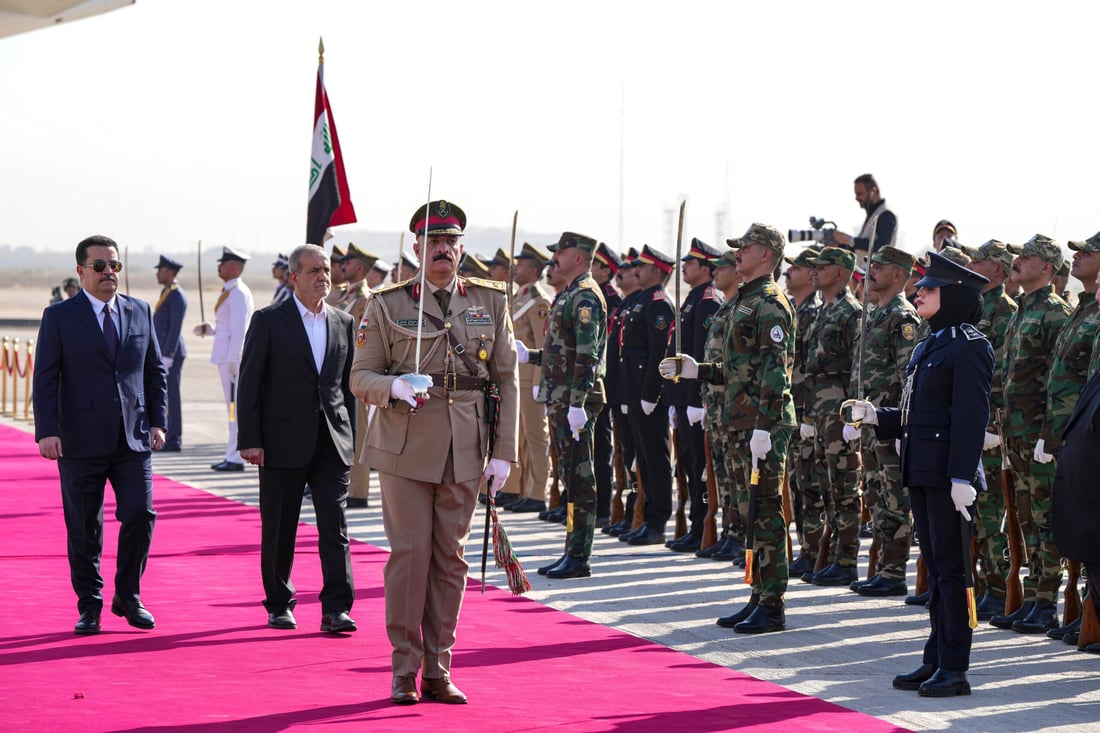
759 413
835 495
993 261
800 459
1030 344
892 329
571 387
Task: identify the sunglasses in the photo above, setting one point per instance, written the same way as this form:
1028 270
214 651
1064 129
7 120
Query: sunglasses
101 265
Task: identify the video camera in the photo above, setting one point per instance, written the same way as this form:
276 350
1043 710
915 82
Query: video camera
822 232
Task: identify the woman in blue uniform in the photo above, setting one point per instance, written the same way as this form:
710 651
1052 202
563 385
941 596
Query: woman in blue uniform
941 428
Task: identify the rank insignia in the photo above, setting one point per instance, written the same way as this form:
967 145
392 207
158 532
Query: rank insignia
585 314
777 334
660 323
908 331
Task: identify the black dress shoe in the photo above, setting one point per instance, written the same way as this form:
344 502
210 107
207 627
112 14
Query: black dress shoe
547 568
988 607
834 574
762 620
603 522
648 536
687 543
879 587
920 599
1071 638
730 549
728 622
283 619
526 506
134 613
856 583
914 679
1059 632
1006 621
1092 648
338 623
945 683
620 527
228 466
557 515
625 536
1043 617
170 449
708 552
355 502
570 567
88 623
503 501
802 564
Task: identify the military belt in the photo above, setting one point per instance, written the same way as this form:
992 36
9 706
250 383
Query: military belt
457 382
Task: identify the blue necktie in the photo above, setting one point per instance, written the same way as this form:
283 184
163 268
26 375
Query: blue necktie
109 333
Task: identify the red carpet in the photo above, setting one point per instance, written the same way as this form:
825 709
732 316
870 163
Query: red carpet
211 664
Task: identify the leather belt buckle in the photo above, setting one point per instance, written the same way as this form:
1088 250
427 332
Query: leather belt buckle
450 382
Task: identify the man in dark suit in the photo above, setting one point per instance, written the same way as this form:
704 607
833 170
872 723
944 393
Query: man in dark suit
294 413
99 407
168 315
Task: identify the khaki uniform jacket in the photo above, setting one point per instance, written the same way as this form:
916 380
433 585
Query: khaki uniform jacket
416 446
357 301
529 312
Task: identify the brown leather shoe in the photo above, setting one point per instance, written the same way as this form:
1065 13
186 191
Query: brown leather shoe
403 691
442 690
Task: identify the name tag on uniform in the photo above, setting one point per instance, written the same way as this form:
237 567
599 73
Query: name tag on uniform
744 309
408 323
475 315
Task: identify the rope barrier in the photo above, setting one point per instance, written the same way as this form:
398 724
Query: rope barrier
12 371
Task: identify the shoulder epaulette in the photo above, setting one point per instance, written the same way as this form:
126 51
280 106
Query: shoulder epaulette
397 286
971 333
491 284
770 289
658 294
709 294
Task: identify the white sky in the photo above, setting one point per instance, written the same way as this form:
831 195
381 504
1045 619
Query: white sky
177 120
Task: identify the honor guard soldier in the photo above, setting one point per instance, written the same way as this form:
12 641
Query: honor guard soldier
759 413
471 266
378 274
830 368
526 489
605 266
888 339
431 448
338 297
1031 340
499 266
993 261
168 314
571 387
405 268
645 335
685 397
280 272
355 265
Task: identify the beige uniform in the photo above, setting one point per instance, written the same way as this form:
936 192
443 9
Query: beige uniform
430 463
530 309
359 488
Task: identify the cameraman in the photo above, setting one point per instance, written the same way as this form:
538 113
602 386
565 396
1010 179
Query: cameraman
880 220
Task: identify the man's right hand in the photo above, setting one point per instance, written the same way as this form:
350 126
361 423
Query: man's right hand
401 389
521 352
206 328
50 448
680 366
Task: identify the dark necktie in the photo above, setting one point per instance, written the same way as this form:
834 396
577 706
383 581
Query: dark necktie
109 333
443 297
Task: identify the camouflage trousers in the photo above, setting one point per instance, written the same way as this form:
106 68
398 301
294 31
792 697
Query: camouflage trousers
890 515
770 562
989 532
835 495
577 474
800 480
728 481
1033 482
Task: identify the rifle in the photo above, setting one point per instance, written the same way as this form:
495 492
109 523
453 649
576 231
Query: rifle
1090 625
681 487
639 503
555 482
1071 610
788 514
710 523
872 553
750 520
1014 594
823 547
922 573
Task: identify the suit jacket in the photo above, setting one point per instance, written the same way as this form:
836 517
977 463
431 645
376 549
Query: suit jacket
80 394
168 323
416 446
1075 503
281 398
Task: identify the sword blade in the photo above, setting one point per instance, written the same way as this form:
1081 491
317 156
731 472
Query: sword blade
676 274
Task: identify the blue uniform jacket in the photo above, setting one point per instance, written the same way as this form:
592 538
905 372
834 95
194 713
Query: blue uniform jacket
168 323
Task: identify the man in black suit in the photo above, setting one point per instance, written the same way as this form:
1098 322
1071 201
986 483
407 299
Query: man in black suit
294 414
168 315
99 407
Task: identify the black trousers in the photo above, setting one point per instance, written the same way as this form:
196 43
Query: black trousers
83 481
174 434
691 454
603 454
281 492
941 531
651 446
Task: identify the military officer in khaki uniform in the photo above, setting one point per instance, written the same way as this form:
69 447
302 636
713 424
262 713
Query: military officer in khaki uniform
530 308
430 448
338 298
354 266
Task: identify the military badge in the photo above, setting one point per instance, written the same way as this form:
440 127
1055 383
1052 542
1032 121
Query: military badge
543 313
908 331
660 323
360 338
585 314
777 334
707 321
475 315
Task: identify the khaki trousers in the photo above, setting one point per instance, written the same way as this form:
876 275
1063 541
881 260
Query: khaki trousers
530 477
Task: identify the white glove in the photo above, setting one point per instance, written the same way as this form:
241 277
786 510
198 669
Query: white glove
1041 455
234 368
897 446
577 418
625 409
962 496
864 412
992 440
648 407
167 361
535 392
759 444
671 416
497 473
850 433
401 389
206 328
681 365
807 431
521 351
696 415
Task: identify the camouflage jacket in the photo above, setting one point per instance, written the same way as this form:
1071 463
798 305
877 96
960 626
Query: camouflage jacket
758 359
1029 351
801 389
892 331
573 352
714 395
829 364
997 311
1070 368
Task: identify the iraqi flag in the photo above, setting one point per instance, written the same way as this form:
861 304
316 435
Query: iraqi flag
329 198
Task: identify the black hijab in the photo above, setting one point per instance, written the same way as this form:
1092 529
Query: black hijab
958 304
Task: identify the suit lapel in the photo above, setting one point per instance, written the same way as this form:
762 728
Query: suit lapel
126 317
90 319
332 325
297 329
